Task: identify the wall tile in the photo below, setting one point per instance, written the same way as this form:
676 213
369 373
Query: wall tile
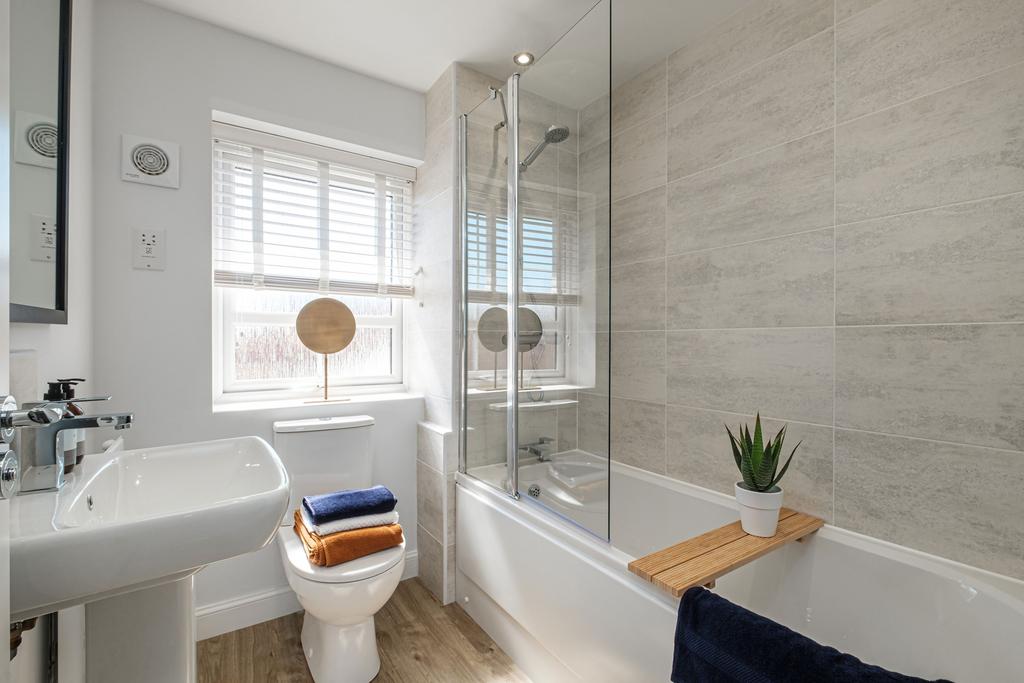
959 502
902 49
784 373
595 175
959 144
698 452
784 98
638 227
639 98
786 189
430 556
437 173
568 180
430 500
757 32
847 8
960 383
638 365
593 427
962 263
439 99
449 508
433 237
594 236
783 282
567 423
638 302
430 446
638 434
471 88
595 122
638 158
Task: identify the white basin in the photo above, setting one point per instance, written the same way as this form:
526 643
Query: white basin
130 519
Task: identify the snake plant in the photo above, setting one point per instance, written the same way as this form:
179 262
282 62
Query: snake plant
757 460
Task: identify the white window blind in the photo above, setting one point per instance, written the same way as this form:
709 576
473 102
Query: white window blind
549 259
288 215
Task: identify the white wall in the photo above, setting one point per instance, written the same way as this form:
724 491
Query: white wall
160 74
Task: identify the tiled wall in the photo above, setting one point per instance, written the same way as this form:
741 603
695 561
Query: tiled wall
818 213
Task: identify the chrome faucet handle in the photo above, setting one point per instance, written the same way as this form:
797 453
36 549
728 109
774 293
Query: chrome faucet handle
36 415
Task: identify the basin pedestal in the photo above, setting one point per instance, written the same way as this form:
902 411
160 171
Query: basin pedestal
146 635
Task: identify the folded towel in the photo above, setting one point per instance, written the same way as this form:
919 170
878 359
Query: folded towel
327 551
349 523
353 503
719 642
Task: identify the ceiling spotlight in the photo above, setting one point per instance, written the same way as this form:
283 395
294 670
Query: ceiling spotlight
523 59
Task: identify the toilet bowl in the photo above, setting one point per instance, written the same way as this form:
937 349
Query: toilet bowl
338 635
323 455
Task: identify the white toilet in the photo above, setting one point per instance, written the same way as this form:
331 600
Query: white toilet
324 455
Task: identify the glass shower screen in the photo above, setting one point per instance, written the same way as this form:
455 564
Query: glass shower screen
536 157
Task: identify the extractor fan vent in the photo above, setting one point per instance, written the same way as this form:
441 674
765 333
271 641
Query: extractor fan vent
149 161
42 139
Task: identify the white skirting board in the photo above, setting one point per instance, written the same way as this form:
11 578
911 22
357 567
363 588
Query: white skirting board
255 608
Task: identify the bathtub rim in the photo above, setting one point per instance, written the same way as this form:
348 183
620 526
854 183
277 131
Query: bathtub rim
613 562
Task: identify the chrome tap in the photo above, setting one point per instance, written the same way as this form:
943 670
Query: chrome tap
42 463
542 449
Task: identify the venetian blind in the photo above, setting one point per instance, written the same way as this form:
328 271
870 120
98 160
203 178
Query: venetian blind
292 215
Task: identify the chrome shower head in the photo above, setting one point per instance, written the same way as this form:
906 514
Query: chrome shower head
552 136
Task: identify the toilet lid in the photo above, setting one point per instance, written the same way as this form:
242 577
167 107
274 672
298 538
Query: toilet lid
355 570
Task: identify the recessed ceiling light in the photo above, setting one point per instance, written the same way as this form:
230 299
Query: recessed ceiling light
523 58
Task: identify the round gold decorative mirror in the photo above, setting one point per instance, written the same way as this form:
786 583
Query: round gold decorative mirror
325 326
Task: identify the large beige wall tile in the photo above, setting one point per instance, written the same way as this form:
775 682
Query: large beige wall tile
783 373
567 427
638 296
439 99
594 235
959 502
780 191
595 175
847 8
638 227
758 31
472 88
638 365
437 173
638 434
698 452
783 282
593 425
962 263
959 144
960 383
902 49
430 561
430 504
638 158
781 99
639 98
595 122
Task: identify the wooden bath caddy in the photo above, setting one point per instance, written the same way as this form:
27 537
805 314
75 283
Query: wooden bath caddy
702 559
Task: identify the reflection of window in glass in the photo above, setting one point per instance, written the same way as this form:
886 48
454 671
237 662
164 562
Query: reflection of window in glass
293 222
550 288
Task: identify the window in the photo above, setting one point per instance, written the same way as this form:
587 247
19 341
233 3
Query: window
550 288
294 221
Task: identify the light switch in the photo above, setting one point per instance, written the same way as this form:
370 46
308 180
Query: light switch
44 238
149 249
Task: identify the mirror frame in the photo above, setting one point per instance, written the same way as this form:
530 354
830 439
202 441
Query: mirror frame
58 315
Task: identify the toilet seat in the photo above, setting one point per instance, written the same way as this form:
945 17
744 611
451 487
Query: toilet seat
359 569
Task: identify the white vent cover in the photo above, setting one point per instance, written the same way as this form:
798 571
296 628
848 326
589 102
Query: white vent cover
35 140
150 162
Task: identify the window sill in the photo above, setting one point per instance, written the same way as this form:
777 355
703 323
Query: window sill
248 406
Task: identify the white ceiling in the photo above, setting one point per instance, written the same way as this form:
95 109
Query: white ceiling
410 42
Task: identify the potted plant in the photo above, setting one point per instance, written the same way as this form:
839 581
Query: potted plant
758 494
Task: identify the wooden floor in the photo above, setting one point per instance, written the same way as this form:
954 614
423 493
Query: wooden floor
420 642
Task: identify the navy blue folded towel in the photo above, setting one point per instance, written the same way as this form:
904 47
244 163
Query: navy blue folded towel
330 507
719 642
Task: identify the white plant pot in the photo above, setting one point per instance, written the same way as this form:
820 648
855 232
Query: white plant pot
759 512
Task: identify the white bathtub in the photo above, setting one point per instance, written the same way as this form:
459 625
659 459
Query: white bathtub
565 607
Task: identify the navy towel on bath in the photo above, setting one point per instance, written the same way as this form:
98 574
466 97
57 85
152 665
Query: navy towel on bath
719 642
330 507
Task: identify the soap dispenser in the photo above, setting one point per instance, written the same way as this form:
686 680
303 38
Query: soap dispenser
71 441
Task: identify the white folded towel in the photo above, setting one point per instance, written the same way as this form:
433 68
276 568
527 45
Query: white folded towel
350 523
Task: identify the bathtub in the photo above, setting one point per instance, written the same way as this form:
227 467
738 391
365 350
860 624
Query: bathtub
564 606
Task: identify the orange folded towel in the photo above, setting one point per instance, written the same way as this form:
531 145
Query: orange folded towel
344 546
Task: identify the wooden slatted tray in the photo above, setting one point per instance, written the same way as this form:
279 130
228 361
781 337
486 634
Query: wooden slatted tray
699 561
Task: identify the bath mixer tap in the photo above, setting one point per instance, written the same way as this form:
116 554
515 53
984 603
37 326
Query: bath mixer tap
542 449
42 463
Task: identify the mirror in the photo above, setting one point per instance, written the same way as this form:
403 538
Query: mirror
40 83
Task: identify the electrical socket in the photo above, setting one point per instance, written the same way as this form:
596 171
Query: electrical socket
149 249
44 238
